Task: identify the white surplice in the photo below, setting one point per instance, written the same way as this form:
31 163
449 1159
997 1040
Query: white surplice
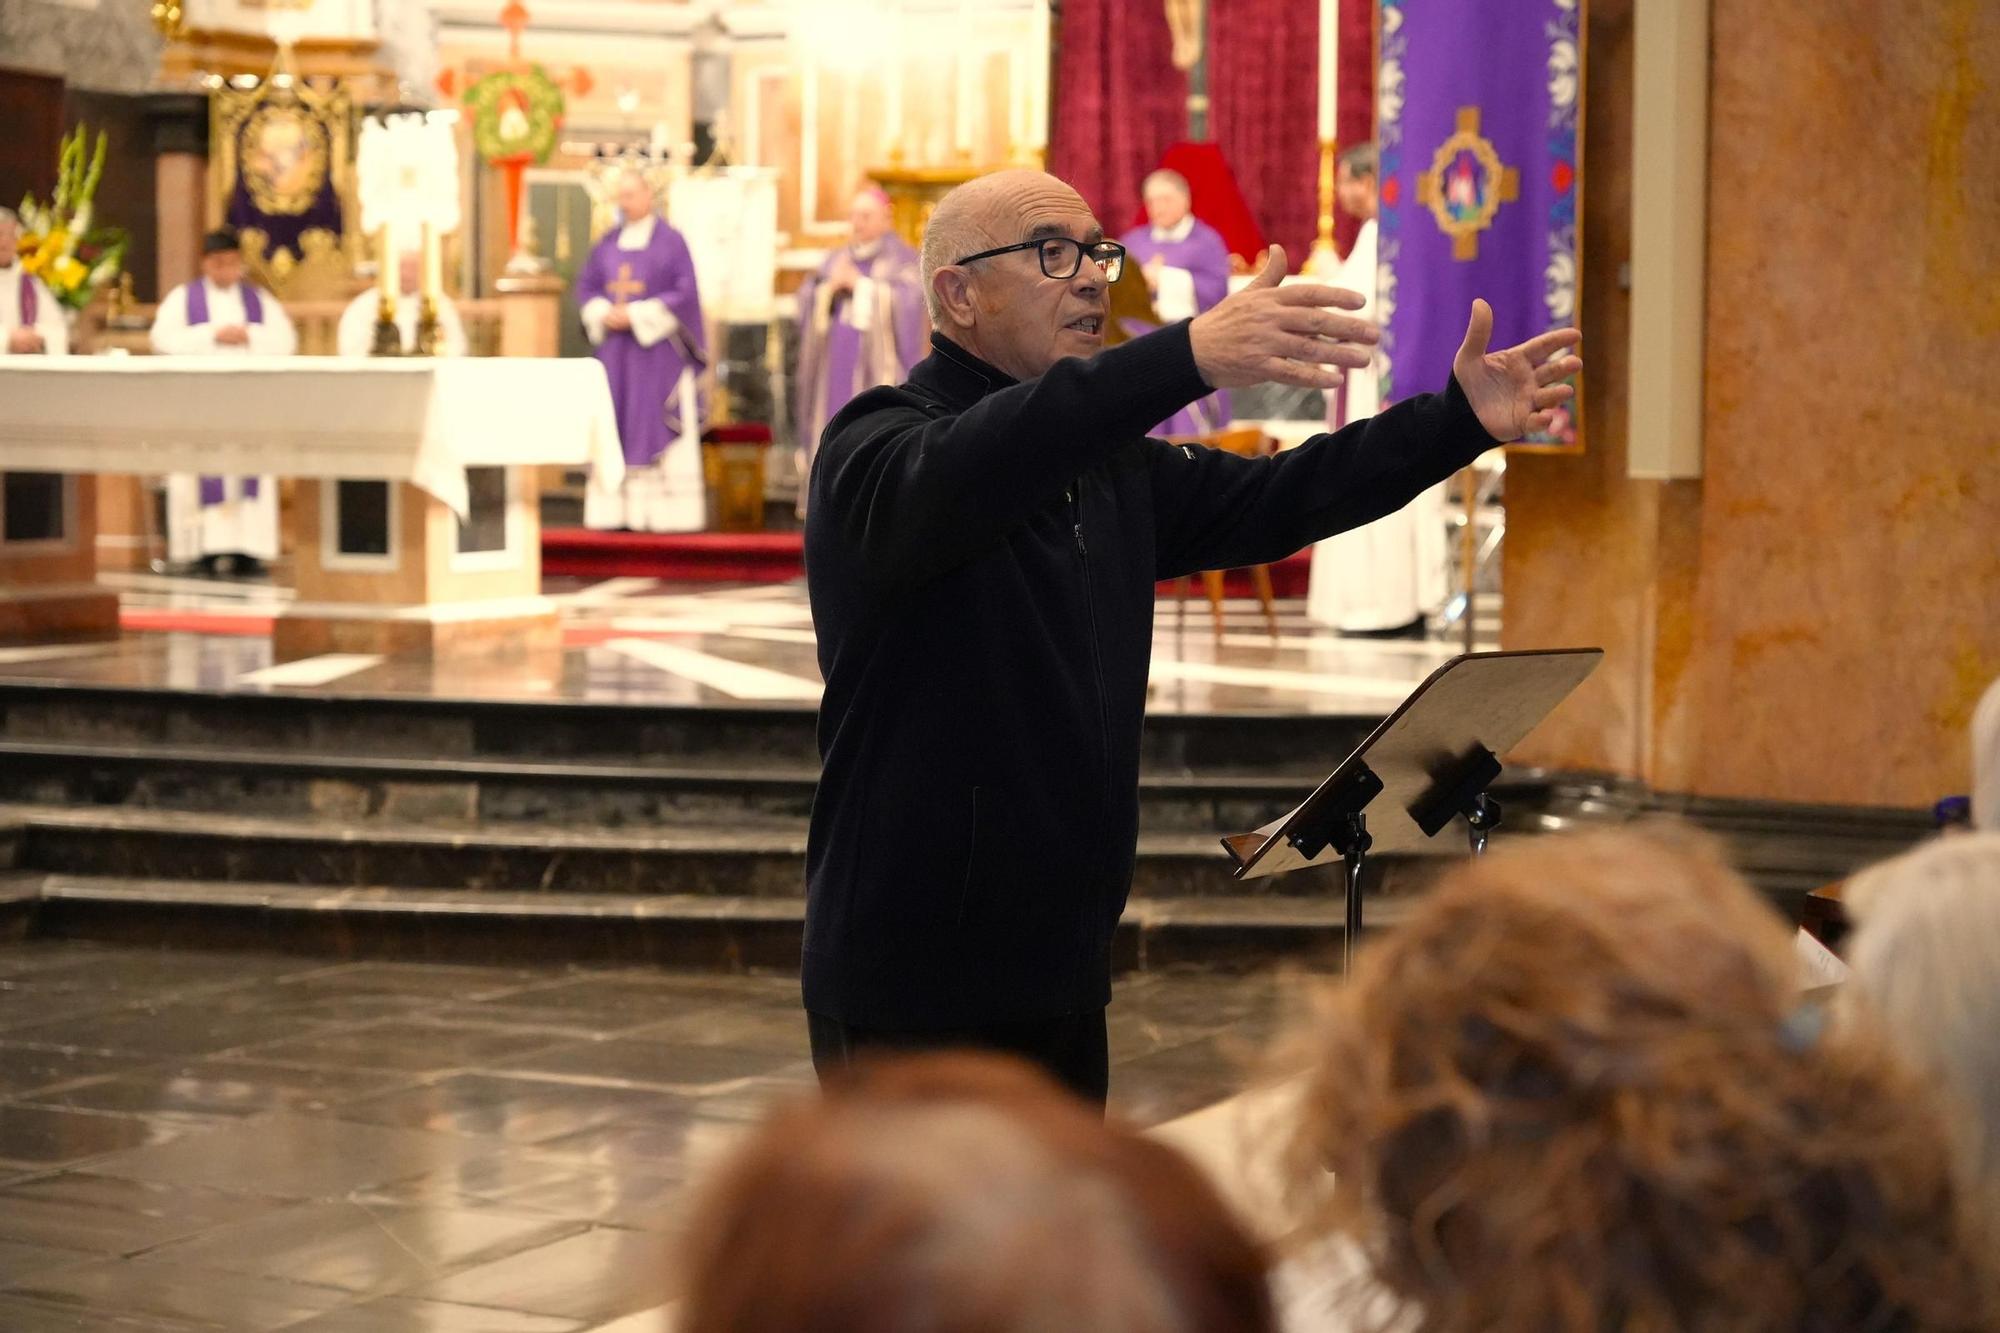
1384 574
49 320
243 524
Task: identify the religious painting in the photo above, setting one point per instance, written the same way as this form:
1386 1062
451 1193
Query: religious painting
1477 123
282 173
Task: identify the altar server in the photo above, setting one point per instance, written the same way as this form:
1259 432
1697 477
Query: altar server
228 524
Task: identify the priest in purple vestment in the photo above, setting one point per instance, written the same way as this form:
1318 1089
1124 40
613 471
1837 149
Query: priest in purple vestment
641 309
1187 270
861 321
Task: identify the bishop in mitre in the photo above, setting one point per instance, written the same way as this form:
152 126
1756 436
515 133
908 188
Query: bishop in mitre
642 312
1382 579
229 524
356 335
861 320
31 320
1186 263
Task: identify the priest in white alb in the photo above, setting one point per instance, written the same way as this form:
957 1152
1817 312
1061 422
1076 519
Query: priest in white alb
1380 580
31 319
861 320
228 524
356 335
641 309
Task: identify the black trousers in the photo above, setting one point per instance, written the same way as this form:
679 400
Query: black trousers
1073 1049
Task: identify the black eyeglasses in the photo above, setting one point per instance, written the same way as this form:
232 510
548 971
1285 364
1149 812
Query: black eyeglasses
1061 257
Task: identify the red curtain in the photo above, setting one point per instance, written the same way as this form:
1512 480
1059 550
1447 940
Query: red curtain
1263 62
1119 104
1118 101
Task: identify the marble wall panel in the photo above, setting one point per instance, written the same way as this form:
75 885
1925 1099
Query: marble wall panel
1816 616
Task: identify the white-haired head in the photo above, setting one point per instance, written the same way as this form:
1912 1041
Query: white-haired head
1986 761
1926 960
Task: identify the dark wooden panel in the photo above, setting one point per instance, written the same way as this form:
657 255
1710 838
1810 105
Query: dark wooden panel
126 196
31 107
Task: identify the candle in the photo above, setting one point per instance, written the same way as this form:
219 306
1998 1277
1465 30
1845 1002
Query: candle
961 137
385 263
1329 66
1038 116
892 117
433 268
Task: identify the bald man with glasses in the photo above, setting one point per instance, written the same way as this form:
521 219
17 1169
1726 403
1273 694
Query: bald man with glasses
982 543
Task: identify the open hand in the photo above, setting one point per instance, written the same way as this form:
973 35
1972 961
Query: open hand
1514 391
1288 335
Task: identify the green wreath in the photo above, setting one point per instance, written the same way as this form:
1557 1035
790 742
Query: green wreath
531 135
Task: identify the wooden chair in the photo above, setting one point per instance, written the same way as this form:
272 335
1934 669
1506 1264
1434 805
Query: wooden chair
1246 442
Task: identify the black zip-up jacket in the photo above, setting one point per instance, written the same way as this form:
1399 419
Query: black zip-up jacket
981 555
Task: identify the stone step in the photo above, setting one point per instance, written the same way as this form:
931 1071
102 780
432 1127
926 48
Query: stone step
464 792
680 930
751 738
744 862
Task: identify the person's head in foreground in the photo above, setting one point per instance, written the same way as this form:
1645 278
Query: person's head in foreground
10 237
1168 199
1578 1089
1926 960
964 1194
1354 180
222 257
1017 271
1986 761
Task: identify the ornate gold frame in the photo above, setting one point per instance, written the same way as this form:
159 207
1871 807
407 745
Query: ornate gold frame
327 267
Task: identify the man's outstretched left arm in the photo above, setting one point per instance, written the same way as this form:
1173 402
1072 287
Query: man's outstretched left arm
1217 511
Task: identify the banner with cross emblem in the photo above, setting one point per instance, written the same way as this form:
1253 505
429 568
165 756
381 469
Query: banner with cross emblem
1480 162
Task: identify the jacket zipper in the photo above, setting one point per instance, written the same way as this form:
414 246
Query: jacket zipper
1096 652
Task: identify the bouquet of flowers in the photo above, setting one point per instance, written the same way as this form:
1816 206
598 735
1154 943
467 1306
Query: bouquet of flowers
58 244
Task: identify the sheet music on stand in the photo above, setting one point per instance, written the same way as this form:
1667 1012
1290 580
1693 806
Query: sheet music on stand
1426 768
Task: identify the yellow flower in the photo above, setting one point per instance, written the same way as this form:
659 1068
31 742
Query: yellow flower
70 273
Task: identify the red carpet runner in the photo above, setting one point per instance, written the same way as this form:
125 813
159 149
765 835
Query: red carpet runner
758 557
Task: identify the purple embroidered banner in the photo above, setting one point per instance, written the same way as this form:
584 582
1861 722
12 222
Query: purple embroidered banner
1477 131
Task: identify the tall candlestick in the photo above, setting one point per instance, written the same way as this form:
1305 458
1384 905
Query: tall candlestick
962 53
385 264
433 264
1329 66
893 115
1038 124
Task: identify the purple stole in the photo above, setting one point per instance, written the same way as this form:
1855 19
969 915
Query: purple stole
29 307
197 313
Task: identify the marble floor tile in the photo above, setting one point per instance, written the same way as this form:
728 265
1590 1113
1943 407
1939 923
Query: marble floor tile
201 1298
49 1136
370 1249
671 1065
28 1070
207 1091
417 1147
106 1215
293 1156
595 1277
519 1110
398 1314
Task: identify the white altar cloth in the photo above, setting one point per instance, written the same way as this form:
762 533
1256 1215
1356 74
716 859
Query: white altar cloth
421 421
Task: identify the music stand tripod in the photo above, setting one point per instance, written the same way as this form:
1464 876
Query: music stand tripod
1431 761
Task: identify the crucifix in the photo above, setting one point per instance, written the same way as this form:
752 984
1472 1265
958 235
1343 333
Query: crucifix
624 286
1188 21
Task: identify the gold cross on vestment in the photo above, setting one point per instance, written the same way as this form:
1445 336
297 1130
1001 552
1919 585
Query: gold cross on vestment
624 285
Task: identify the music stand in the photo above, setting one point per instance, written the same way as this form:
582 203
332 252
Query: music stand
1429 763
